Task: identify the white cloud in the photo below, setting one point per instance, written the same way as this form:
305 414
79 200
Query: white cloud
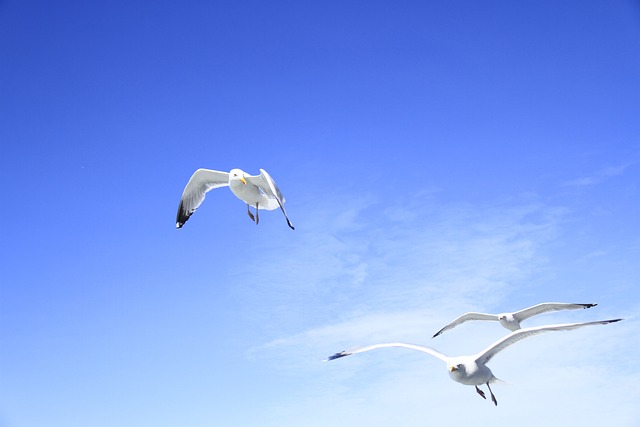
598 177
374 277
581 377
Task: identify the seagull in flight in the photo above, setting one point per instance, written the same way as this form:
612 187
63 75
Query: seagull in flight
259 191
473 369
512 321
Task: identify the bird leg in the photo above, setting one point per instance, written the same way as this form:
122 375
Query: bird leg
257 217
250 214
481 393
493 397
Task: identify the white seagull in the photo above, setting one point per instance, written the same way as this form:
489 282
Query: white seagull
512 321
472 370
259 191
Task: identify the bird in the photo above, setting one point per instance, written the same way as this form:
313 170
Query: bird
512 321
259 191
473 369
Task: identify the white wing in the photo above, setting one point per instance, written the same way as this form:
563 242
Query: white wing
547 307
486 355
421 348
465 318
200 183
268 186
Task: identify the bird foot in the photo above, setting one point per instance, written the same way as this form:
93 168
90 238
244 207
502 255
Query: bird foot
256 218
253 218
493 398
481 393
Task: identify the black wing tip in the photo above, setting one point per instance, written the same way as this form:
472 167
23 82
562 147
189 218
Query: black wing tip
181 220
588 305
338 355
183 216
436 334
612 321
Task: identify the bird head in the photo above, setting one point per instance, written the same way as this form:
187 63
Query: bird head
457 370
456 367
238 174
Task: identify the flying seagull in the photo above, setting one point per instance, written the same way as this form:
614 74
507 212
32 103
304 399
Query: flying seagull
512 321
472 370
259 191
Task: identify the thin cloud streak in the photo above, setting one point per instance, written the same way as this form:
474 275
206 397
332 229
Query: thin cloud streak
598 177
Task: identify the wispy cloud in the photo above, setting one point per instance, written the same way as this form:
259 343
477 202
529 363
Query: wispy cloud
375 276
598 176
369 281
365 261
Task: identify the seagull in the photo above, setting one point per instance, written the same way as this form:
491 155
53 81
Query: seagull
259 191
512 321
472 370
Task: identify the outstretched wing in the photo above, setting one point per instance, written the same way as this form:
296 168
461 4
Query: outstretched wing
465 318
486 355
200 183
546 307
268 186
421 348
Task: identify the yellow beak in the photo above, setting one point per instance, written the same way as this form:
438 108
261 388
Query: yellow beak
452 368
244 181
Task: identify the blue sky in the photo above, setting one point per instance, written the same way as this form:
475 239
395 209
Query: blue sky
436 158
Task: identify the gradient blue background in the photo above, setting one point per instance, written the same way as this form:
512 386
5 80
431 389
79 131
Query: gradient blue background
436 157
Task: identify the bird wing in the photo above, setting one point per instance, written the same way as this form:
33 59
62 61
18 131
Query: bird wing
200 183
421 348
268 186
465 318
486 355
547 307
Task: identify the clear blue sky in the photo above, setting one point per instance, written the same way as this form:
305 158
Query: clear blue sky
436 158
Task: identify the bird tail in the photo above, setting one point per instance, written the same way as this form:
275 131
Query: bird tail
498 380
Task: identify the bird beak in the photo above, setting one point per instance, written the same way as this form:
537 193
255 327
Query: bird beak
244 181
452 368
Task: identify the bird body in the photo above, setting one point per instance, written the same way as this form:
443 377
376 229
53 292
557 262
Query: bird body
249 191
467 371
473 369
259 191
511 321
